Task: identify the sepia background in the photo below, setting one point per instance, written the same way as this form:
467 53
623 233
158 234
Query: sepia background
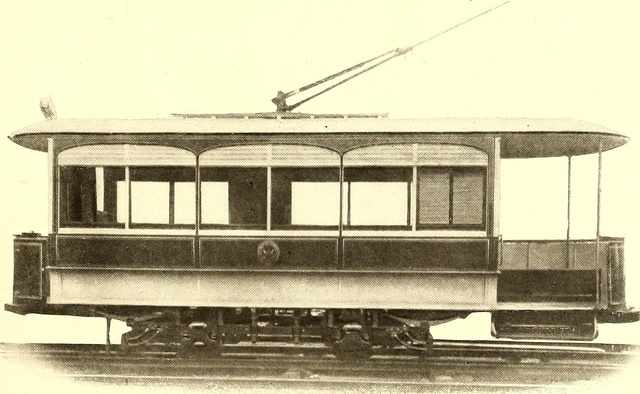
144 59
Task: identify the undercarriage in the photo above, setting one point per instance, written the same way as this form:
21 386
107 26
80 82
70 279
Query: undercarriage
349 333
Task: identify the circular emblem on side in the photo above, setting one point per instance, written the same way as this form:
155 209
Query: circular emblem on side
268 252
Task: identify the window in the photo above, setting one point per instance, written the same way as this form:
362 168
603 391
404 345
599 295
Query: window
215 197
234 196
451 197
99 197
390 187
92 196
123 185
378 196
305 197
162 196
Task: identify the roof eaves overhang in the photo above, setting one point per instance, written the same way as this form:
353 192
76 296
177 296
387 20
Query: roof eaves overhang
520 137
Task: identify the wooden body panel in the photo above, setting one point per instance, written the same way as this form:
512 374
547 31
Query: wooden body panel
416 254
276 289
408 254
544 286
433 273
294 253
30 256
554 254
132 251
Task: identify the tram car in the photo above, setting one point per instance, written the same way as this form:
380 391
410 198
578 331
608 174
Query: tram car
356 230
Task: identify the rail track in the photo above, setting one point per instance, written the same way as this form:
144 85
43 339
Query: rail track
479 366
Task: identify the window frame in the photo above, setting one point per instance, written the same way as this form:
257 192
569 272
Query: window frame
405 172
171 224
317 177
409 174
232 226
64 201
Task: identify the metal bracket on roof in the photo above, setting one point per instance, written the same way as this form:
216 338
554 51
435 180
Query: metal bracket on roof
278 115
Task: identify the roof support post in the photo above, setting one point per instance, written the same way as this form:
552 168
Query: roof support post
598 201
108 336
198 213
493 204
568 197
340 251
413 205
269 186
493 188
568 211
51 171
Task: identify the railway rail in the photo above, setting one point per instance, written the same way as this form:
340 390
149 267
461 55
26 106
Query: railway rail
452 366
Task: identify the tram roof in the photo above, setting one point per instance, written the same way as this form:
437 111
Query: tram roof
520 137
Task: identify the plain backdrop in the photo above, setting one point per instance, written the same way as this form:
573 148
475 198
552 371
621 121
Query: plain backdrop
141 59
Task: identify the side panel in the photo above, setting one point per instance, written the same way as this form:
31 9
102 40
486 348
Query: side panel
274 289
548 286
298 253
30 256
553 254
129 251
417 254
572 272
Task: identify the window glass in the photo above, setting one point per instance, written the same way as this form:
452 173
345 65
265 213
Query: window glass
90 196
451 196
234 196
162 195
378 196
215 206
315 203
379 203
305 196
150 202
184 203
122 202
